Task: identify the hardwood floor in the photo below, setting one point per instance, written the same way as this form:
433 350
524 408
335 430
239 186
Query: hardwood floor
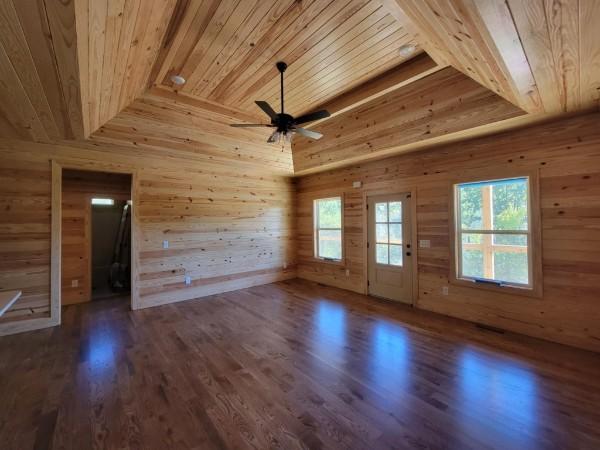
290 365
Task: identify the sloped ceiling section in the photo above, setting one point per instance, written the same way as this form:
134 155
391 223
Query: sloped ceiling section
69 67
541 55
39 80
118 42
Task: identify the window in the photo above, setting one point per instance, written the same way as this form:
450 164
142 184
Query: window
328 228
493 232
388 233
103 201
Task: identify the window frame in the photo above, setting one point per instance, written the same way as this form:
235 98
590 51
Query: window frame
316 230
534 242
388 266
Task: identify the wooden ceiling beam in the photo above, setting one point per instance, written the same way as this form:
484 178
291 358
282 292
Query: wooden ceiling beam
401 75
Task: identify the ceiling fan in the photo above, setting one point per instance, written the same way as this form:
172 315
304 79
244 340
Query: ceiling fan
285 124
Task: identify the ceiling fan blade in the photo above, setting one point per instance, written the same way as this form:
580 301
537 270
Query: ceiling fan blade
249 125
266 108
274 137
312 116
309 133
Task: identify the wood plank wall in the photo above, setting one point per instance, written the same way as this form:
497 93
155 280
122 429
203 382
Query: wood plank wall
567 154
439 105
227 227
78 188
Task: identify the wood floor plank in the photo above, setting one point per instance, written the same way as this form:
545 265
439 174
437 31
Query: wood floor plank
290 365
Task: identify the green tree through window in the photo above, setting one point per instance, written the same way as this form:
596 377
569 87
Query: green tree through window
493 230
328 228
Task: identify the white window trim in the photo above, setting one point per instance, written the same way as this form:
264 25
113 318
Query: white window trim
317 228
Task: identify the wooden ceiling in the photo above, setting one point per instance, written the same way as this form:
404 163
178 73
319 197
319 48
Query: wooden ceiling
77 69
227 50
542 55
118 42
39 79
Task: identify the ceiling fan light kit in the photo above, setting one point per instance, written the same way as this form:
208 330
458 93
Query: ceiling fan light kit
285 124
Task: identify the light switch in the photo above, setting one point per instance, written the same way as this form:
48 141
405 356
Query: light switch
165 244
356 184
424 243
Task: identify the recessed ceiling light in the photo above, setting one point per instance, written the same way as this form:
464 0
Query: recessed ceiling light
177 79
407 50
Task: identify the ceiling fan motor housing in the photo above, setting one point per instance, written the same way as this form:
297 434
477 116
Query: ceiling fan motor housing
283 122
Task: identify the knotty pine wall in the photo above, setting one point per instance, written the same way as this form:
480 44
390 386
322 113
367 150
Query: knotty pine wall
228 227
567 154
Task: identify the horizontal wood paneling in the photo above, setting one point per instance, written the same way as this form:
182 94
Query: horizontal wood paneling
228 227
437 105
169 125
567 154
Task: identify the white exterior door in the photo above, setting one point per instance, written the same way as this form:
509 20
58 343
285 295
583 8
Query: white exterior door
389 247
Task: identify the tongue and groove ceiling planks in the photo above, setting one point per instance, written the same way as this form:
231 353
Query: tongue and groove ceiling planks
541 55
101 69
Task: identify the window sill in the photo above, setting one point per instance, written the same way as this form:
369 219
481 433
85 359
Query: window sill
333 262
498 288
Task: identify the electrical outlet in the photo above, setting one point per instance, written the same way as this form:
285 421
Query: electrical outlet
347 272
74 283
444 290
424 243
284 265
165 244
188 280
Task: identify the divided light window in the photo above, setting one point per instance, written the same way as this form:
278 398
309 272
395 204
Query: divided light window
328 228
493 232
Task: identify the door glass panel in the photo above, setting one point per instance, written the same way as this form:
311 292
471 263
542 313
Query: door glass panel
396 255
395 233
388 230
395 211
381 232
381 254
381 212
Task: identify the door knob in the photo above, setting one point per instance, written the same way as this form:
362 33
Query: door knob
407 253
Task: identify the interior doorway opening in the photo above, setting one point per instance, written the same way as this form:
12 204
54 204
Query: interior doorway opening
96 236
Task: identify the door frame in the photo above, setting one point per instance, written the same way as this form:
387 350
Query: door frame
397 190
56 233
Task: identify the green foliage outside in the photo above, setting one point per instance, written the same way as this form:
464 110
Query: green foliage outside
329 213
509 212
